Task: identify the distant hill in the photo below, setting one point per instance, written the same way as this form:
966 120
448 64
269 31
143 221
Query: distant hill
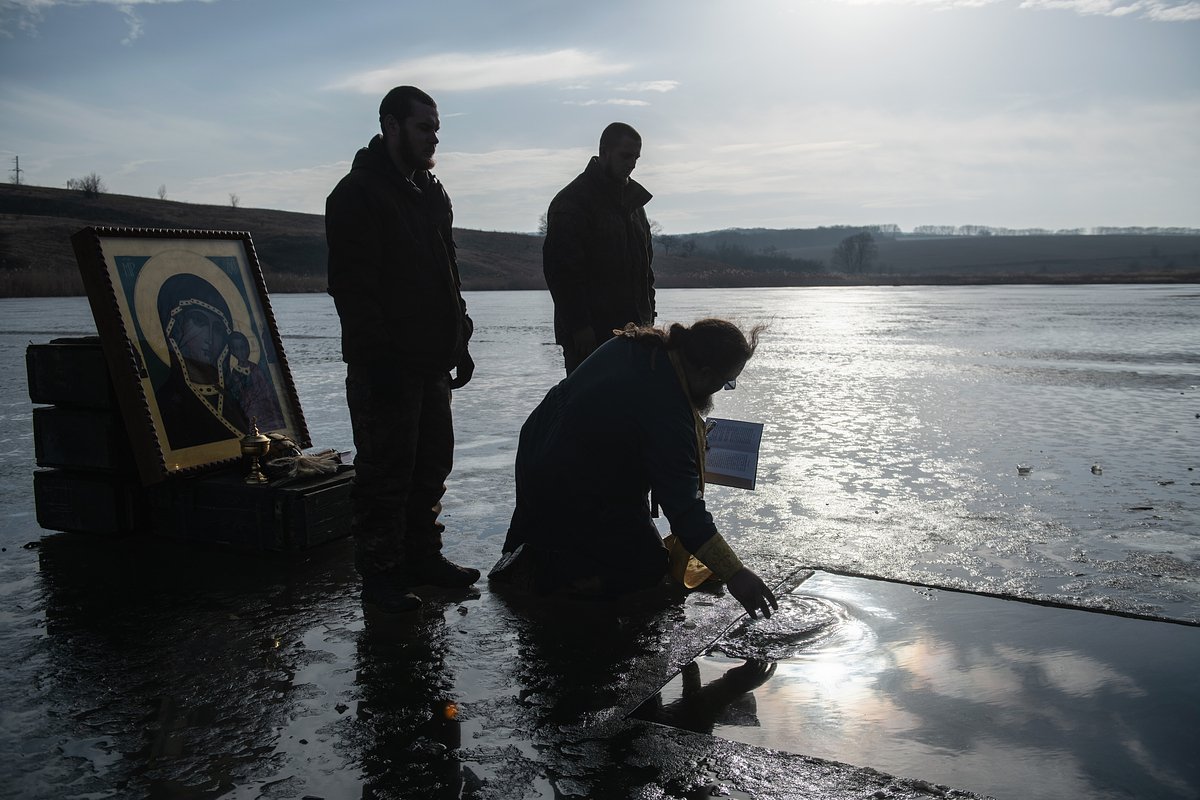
912 258
36 224
36 259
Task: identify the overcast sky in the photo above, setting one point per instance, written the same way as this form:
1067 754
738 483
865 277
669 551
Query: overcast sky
754 113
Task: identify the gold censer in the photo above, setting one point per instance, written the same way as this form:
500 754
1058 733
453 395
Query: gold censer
255 445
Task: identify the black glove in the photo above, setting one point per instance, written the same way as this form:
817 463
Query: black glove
754 595
466 368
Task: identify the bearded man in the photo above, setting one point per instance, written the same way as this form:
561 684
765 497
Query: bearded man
394 278
625 423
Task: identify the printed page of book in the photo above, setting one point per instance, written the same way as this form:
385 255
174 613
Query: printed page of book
732 456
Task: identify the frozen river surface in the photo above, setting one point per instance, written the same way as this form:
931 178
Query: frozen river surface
895 420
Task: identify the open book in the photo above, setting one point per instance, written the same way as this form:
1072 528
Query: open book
732 456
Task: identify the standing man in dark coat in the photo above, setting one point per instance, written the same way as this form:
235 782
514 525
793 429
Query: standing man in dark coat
597 253
394 279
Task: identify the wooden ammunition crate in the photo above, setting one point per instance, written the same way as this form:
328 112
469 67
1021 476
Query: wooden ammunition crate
89 502
82 439
221 508
70 372
92 483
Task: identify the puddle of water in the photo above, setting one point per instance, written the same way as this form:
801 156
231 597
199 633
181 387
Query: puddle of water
1000 697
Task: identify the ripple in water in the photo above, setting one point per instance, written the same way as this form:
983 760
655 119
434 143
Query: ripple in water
803 625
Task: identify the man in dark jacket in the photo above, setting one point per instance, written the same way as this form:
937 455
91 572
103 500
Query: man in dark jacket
597 253
394 280
626 423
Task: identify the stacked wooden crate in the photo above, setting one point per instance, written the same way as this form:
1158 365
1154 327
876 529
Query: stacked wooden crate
221 508
88 480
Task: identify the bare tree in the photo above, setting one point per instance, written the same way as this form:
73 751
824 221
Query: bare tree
91 185
656 229
234 200
854 254
162 191
543 224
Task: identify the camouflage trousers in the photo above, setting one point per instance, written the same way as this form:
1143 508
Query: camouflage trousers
404 442
573 357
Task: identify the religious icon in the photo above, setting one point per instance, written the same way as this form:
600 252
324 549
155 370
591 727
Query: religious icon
186 325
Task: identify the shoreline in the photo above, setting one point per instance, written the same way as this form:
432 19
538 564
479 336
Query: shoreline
25 285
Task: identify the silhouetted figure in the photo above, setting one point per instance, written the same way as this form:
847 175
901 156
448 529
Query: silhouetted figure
394 279
626 423
597 254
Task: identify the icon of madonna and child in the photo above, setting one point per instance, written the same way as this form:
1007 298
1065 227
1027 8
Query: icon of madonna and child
212 376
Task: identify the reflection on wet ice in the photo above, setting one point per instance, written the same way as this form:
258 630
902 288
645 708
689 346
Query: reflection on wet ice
184 661
406 725
802 624
1000 697
727 700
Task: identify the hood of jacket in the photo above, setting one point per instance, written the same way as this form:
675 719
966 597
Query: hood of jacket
393 271
631 194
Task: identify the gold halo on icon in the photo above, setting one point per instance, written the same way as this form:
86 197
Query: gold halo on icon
154 274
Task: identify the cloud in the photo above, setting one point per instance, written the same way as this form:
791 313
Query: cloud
136 150
41 5
71 128
1151 9
134 22
507 189
503 172
473 71
138 165
28 13
615 101
924 3
1186 12
1156 10
636 86
835 165
38 6
649 86
1050 168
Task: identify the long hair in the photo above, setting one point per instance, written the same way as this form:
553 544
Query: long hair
715 343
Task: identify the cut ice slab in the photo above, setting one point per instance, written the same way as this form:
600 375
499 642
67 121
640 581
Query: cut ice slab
1001 697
